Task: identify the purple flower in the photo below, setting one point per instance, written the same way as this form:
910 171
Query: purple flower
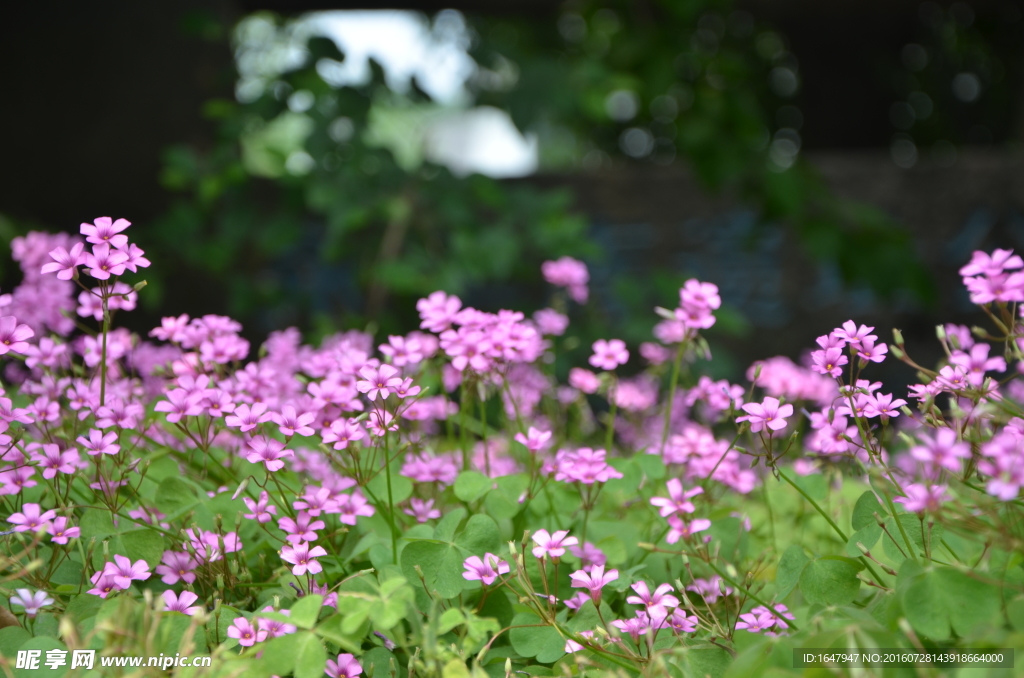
290 422
584 380
345 666
303 558
609 354
485 570
342 432
181 602
242 629
569 273
766 414
552 545
32 602
656 603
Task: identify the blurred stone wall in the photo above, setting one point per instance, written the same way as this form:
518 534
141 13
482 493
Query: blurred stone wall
657 217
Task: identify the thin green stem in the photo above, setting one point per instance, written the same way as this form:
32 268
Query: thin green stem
391 501
831 522
672 393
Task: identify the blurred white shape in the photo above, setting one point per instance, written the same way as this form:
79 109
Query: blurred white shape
480 140
966 87
405 44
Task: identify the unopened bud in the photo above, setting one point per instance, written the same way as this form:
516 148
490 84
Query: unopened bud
512 548
220 582
241 488
863 549
906 411
139 285
665 313
940 332
980 332
897 352
897 337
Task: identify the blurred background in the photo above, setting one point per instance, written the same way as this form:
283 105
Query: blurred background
325 164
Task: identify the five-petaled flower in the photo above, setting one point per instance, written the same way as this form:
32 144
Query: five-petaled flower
485 569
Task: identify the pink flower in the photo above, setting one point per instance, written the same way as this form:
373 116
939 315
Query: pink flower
655 604
102 585
176 566
53 461
485 570
60 531
105 231
262 509
677 500
882 405
342 432
100 443
422 510
944 451
920 498
635 627
402 351
535 441
991 265
766 414
829 361
680 530
273 627
32 519
124 571
551 322
438 311
351 506
609 354
267 451
584 465
246 417
346 666
180 403
552 545
303 558
382 381
242 629
569 273
303 528
290 422
13 336
584 380
379 423
65 263
181 602
104 262
593 581
762 619
32 602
